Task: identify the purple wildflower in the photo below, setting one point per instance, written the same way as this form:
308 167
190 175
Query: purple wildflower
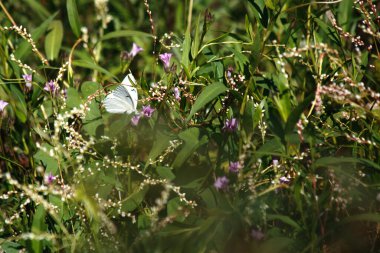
3 104
275 163
28 81
177 93
135 50
135 120
230 125
257 234
49 178
165 58
147 111
234 167
221 183
50 87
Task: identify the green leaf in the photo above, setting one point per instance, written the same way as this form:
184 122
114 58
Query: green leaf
165 172
89 88
53 39
174 209
91 65
191 143
197 39
208 94
345 14
20 105
186 51
24 49
269 4
48 161
143 221
10 247
125 33
38 8
160 144
72 13
133 201
296 113
284 219
271 147
73 98
38 227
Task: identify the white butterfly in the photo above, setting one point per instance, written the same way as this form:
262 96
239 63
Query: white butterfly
124 98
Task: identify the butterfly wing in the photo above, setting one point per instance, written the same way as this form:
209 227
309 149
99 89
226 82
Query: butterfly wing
124 98
133 95
128 84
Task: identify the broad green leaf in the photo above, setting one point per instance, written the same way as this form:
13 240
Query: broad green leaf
73 98
88 88
125 33
72 13
53 39
271 147
207 95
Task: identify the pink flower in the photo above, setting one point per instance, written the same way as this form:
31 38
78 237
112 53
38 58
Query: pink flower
49 179
135 50
135 120
234 167
165 58
221 183
177 93
230 125
3 104
28 81
50 87
147 111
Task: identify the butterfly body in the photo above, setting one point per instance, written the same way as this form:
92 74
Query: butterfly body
124 98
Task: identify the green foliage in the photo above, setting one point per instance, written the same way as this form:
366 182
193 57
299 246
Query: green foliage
263 137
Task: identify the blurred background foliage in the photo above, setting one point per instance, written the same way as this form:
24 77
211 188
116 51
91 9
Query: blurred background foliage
299 77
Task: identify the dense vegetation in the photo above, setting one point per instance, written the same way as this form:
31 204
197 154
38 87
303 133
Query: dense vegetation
256 129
